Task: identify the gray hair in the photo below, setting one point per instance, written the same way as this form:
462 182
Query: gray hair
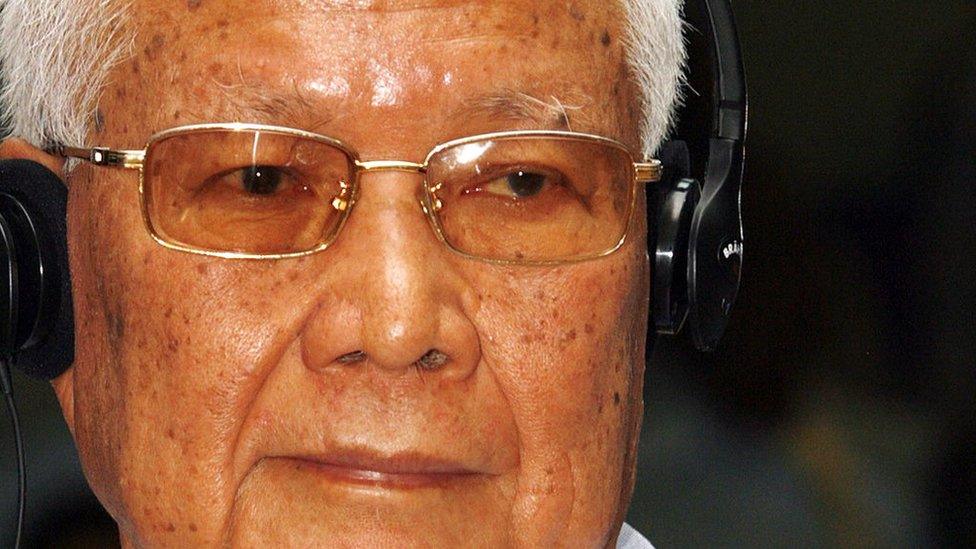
57 54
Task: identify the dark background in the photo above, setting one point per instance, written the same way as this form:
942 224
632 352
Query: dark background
839 410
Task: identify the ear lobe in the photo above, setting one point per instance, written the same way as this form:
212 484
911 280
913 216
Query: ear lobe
15 147
64 388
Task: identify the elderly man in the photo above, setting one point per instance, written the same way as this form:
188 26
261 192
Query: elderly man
388 289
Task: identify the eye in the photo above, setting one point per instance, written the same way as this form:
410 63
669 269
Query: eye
518 184
261 180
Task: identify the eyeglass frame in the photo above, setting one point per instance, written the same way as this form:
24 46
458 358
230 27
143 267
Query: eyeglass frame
646 172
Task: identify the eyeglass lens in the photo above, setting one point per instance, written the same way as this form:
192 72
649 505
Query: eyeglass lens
532 198
518 198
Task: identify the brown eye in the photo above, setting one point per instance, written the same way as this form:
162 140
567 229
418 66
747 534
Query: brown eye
261 180
519 184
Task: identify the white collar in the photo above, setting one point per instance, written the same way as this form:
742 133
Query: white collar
632 539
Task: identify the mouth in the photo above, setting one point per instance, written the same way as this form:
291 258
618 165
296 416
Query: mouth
400 471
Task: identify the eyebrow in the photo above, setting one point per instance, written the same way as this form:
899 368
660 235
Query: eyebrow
272 106
293 105
519 106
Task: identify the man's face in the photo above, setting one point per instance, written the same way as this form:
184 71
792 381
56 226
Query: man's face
213 401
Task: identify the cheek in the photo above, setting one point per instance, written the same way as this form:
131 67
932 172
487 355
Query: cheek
566 347
100 389
167 349
574 333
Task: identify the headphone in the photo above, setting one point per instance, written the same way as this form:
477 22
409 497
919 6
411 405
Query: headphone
698 227
699 240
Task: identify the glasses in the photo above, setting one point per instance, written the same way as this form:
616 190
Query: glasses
266 192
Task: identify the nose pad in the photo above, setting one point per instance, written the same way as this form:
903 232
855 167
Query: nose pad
431 204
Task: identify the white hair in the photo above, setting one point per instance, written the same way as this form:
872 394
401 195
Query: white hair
55 57
57 54
657 55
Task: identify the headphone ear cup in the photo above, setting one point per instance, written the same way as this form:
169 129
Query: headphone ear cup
37 312
669 305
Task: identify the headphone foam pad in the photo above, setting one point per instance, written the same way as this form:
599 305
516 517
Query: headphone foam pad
45 197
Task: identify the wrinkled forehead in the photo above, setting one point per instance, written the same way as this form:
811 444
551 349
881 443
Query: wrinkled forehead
339 65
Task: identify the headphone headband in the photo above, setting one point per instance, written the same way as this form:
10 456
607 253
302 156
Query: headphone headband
704 262
730 80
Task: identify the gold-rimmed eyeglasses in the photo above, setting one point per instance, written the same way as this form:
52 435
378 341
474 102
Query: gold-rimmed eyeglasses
254 191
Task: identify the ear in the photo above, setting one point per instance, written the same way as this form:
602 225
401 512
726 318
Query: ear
15 147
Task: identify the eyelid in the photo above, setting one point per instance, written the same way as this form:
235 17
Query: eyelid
497 171
552 178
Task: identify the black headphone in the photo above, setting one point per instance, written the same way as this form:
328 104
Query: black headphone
698 256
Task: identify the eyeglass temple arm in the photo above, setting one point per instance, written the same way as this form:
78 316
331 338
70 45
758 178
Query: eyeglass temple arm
101 156
648 172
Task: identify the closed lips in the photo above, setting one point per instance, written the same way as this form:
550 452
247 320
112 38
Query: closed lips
400 470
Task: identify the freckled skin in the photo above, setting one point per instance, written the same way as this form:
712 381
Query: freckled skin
192 371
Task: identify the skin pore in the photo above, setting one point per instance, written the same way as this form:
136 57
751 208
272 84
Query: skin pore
207 393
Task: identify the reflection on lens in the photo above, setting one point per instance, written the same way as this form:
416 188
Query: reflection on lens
533 198
245 191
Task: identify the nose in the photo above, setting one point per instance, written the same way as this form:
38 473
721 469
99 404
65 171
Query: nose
397 302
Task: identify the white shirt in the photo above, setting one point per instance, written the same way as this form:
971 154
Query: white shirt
631 539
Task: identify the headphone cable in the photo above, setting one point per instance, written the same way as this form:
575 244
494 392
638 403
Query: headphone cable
21 469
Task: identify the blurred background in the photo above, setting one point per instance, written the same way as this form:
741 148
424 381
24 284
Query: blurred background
839 410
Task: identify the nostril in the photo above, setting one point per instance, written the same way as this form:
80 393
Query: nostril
432 360
352 358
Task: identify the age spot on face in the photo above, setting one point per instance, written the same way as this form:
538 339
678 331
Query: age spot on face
576 13
172 345
156 44
116 328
